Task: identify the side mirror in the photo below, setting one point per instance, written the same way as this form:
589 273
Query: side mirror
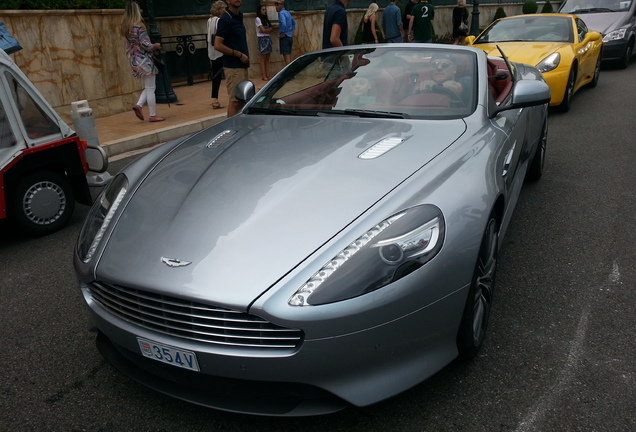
244 91
592 36
526 94
469 40
96 158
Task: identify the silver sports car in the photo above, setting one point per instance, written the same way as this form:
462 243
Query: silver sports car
333 244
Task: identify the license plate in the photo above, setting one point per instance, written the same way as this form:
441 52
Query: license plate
168 354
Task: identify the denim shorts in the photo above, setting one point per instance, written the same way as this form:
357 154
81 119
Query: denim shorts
286 45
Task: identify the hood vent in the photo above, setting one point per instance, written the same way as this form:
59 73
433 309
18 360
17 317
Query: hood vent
221 138
380 148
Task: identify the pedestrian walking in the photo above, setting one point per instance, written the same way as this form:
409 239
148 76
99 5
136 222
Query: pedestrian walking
407 12
392 23
231 40
369 20
335 30
139 50
216 57
460 22
421 24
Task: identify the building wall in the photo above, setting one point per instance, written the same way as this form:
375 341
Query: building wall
73 55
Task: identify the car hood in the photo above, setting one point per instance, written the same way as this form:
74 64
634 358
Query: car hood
245 207
531 53
605 22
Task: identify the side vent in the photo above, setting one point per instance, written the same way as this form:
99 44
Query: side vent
221 138
380 148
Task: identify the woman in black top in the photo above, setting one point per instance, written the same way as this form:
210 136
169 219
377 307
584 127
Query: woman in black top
460 15
369 32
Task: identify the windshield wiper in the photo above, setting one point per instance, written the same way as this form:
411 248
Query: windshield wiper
588 10
274 111
372 113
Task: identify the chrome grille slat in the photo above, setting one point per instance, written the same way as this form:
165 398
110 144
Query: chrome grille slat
165 321
132 309
194 321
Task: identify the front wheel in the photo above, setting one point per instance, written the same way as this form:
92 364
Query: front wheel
472 330
624 62
597 72
566 104
43 203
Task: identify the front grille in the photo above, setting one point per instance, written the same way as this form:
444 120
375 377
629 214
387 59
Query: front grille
192 320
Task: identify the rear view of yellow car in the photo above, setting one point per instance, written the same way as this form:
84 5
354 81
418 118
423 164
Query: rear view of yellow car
561 46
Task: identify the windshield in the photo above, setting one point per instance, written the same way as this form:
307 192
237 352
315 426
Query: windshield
594 6
385 82
37 123
533 28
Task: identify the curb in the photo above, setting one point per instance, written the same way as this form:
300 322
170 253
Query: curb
159 136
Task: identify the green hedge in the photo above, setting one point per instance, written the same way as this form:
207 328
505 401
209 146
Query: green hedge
60 4
547 7
530 7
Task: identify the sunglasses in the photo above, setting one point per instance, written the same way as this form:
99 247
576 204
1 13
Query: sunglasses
443 64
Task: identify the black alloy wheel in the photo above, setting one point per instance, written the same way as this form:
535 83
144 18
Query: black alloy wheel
472 330
597 72
566 104
624 62
535 170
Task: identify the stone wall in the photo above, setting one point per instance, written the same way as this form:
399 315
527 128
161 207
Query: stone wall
72 55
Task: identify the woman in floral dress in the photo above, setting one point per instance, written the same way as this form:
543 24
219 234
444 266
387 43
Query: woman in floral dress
139 50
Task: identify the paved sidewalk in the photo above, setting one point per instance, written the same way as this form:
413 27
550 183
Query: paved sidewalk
122 133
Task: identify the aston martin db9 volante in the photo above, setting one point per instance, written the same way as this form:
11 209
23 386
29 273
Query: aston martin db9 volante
333 244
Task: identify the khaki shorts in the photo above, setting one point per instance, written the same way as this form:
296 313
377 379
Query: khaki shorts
233 76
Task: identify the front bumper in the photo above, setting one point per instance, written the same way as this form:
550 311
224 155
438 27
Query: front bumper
557 79
324 375
614 50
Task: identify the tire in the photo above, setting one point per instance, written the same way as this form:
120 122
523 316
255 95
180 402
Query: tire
566 104
472 330
597 72
43 203
535 170
622 64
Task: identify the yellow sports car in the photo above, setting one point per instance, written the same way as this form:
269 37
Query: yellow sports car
561 46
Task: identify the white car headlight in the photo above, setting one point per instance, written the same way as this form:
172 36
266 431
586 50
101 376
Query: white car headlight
549 63
387 252
100 217
615 35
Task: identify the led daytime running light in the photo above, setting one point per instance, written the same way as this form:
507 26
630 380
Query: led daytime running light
105 223
301 296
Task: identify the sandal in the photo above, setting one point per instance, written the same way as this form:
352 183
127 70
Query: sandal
216 105
138 113
156 119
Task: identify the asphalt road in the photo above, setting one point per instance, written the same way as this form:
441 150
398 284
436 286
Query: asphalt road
561 349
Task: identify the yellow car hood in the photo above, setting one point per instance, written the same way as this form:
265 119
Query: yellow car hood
522 52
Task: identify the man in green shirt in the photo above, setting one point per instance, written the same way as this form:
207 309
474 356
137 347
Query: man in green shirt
420 25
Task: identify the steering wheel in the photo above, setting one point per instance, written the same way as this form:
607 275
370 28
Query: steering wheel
455 99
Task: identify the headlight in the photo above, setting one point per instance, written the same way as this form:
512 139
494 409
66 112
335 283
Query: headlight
615 35
100 217
549 63
389 251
